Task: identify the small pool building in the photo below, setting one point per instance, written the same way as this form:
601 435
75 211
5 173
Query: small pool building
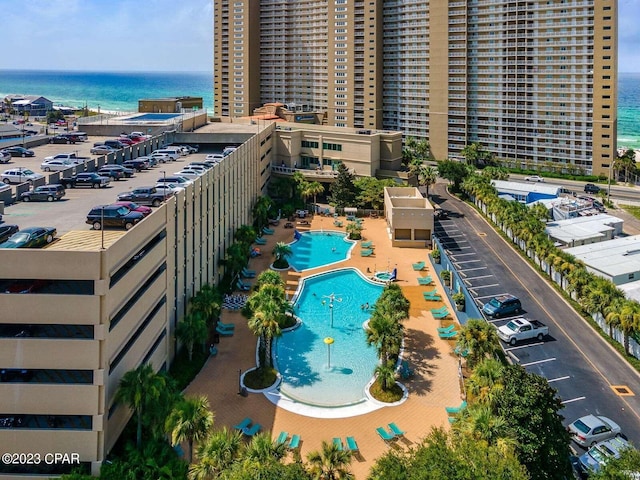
527 192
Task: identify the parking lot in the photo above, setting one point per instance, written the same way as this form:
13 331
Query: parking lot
572 358
70 212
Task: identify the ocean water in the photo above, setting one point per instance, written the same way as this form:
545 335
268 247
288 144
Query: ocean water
121 91
109 90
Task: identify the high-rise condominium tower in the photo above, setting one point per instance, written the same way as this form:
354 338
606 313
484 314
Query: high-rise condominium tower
533 81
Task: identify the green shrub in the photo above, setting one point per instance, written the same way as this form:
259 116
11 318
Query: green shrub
260 378
394 394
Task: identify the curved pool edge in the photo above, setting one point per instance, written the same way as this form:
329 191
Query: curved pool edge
344 238
294 298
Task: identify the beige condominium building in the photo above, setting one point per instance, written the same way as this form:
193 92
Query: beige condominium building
105 302
533 81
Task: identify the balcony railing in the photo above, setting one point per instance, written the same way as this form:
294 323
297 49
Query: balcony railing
307 172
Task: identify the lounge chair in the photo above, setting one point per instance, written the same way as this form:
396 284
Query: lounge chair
213 351
461 352
338 443
352 445
440 315
295 442
446 329
337 223
456 409
351 218
419 266
386 436
268 231
224 332
260 241
396 430
425 280
243 286
448 335
366 252
367 244
406 372
243 424
440 310
452 419
247 273
432 297
282 438
226 326
251 431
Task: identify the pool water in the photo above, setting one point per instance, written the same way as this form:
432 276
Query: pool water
301 355
150 117
318 248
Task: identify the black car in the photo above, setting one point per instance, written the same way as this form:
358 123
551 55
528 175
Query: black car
137 165
63 139
6 230
144 196
113 216
19 152
32 237
591 188
125 172
43 193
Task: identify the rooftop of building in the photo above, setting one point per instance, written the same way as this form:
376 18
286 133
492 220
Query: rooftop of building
504 186
613 257
581 228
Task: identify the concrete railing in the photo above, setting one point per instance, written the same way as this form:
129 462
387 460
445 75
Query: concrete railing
307 172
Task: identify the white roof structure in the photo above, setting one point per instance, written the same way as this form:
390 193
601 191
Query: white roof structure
504 186
616 259
594 228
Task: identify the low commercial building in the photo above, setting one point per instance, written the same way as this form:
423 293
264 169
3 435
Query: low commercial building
409 217
169 104
578 231
32 105
100 303
617 260
527 192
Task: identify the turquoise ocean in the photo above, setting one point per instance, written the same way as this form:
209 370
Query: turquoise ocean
122 90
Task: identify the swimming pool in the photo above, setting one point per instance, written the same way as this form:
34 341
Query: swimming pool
318 248
154 117
301 354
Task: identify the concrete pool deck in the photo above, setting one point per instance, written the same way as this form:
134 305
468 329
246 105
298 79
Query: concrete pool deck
434 386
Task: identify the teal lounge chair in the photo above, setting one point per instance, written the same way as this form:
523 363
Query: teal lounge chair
251 431
243 424
366 252
243 286
425 280
337 223
386 436
260 241
225 326
268 231
338 443
440 310
432 297
456 409
452 419
224 332
440 315
367 244
247 273
396 430
448 335
282 438
351 218
352 445
446 329
295 442
418 266
461 352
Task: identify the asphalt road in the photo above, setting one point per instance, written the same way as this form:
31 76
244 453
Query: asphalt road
69 213
574 358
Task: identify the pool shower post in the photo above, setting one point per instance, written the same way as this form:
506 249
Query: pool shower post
328 341
331 298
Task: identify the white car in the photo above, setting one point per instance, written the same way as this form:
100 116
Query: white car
590 429
161 157
534 178
56 165
168 188
20 175
189 173
214 157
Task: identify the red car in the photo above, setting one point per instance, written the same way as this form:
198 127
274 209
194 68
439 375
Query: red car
134 207
126 140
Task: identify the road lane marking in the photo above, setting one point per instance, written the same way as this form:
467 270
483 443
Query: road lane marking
481 286
472 269
467 261
572 400
552 359
481 276
524 346
558 379
491 296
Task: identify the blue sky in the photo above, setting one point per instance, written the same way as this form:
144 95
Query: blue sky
155 35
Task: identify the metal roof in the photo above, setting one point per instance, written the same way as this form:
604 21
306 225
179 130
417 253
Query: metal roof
615 257
519 187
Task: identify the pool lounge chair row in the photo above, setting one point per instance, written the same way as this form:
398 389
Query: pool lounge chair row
350 444
293 443
440 313
425 280
366 252
388 436
247 427
419 266
243 286
268 231
260 241
248 273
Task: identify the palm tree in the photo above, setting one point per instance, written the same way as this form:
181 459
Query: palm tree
354 230
386 375
266 324
427 176
190 420
245 234
207 302
315 189
282 251
479 339
191 330
140 388
481 424
261 212
330 463
269 277
485 381
216 454
625 314
263 449
386 334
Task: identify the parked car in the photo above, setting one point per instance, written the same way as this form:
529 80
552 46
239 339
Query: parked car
520 329
64 139
113 216
56 165
6 230
20 175
113 175
161 157
5 157
598 455
26 286
590 429
89 179
190 173
205 165
173 154
591 188
177 179
31 237
136 164
151 160
126 140
134 207
102 150
168 189
117 144
125 172
534 178
502 305
144 196
20 152
43 193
